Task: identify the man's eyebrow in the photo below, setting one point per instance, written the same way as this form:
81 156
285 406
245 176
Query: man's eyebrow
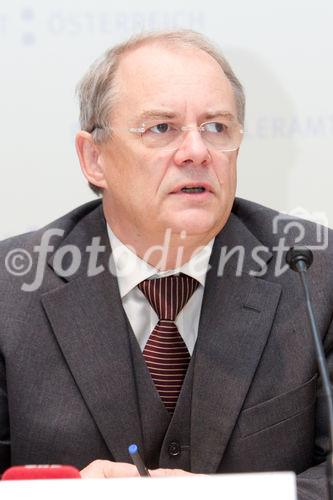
157 113
169 115
215 114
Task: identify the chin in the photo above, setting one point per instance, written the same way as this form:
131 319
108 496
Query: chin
196 224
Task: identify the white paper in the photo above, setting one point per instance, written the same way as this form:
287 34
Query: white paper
275 486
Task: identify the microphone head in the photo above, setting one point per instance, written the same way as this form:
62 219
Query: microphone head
298 254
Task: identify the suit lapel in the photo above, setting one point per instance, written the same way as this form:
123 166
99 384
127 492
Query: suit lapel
87 318
237 314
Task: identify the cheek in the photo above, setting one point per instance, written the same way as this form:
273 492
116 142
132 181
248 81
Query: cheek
152 171
120 171
226 171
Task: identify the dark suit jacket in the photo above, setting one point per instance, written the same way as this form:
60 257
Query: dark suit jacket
74 386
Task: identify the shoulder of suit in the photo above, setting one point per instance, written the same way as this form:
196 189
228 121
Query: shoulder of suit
65 224
269 226
25 248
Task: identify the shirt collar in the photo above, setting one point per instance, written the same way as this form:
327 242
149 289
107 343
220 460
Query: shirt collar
131 269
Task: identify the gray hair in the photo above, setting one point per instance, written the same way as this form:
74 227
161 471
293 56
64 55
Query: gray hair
97 91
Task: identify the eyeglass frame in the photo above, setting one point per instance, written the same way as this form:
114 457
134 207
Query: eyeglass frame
184 128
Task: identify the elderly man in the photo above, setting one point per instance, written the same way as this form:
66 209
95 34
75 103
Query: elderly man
163 315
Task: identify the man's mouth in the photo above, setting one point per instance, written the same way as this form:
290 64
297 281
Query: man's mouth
193 188
199 189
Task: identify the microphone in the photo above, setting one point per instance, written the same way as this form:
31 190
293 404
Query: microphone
300 259
41 472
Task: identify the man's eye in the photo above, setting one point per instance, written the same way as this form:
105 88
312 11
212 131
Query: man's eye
161 128
215 127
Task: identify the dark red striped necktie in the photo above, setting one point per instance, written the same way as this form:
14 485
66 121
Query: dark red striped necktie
165 353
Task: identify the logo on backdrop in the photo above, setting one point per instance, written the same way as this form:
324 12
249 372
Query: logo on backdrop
289 127
28 33
35 25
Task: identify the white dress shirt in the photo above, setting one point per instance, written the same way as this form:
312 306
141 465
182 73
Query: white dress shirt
131 270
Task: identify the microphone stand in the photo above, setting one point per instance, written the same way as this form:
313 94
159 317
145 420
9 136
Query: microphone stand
299 260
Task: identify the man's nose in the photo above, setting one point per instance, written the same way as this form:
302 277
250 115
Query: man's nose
192 149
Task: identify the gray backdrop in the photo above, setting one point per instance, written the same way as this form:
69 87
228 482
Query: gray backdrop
281 51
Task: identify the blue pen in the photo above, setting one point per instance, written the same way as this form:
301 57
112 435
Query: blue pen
137 460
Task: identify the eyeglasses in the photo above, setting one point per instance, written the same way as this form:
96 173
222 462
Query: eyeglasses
224 136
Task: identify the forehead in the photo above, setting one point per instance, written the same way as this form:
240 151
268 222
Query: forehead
181 79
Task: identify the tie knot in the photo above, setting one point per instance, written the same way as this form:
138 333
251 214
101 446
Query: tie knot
168 295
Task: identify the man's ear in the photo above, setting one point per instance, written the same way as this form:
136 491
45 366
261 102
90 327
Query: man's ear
89 156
